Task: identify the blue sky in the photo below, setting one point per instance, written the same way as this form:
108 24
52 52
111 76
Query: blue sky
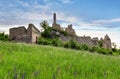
87 16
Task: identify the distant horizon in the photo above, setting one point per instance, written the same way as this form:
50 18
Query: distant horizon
94 18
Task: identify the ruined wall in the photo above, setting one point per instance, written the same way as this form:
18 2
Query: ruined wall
70 30
55 25
81 40
107 42
21 34
35 35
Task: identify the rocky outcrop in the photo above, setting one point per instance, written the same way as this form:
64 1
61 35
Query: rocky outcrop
70 30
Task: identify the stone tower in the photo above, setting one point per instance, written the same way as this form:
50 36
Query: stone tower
55 25
107 42
54 18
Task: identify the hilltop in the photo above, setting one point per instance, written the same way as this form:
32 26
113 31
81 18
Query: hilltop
26 61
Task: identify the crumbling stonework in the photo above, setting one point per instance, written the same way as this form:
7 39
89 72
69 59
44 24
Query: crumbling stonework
81 40
70 30
55 25
21 34
107 42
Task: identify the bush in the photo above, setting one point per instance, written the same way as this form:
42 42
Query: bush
72 44
64 33
44 41
67 45
84 47
100 43
3 37
93 49
57 42
104 51
46 34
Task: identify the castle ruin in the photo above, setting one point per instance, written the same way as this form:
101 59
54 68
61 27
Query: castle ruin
55 25
21 34
107 42
81 40
31 35
70 30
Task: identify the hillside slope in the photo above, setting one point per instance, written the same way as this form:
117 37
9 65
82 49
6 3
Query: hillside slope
25 61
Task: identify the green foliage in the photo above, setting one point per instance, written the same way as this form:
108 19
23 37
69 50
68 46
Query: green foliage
84 47
57 42
25 61
64 33
93 49
100 43
104 51
72 44
46 33
44 41
44 25
3 37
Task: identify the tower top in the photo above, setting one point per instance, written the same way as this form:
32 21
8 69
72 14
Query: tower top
54 18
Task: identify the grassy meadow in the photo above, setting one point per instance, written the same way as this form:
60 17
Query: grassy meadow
26 61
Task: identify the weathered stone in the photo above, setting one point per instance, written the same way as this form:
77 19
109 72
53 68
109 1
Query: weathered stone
107 42
21 34
55 25
95 41
70 30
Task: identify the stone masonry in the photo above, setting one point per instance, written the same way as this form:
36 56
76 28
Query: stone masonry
21 34
55 25
107 42
81 40
31 35
70 30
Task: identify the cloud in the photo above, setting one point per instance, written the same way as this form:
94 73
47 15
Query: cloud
108 21
25 11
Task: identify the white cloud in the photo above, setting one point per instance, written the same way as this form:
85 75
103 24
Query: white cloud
108 21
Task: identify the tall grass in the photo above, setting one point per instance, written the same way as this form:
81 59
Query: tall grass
26 61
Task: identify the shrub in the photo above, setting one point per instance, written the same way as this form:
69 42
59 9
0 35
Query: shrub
44 41
72 44
104 51
84 47
64 33
46 33
3 37
67 45
114 49
93 49
100 43
57 42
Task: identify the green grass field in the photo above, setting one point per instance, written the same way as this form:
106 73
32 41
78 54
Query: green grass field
25 61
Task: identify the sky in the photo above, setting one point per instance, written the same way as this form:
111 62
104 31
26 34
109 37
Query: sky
94 18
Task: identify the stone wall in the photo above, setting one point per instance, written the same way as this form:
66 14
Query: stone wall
70 30
21 34
55 25
81 40
107 42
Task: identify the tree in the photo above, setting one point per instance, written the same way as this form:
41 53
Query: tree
44 25
114 45
3 37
